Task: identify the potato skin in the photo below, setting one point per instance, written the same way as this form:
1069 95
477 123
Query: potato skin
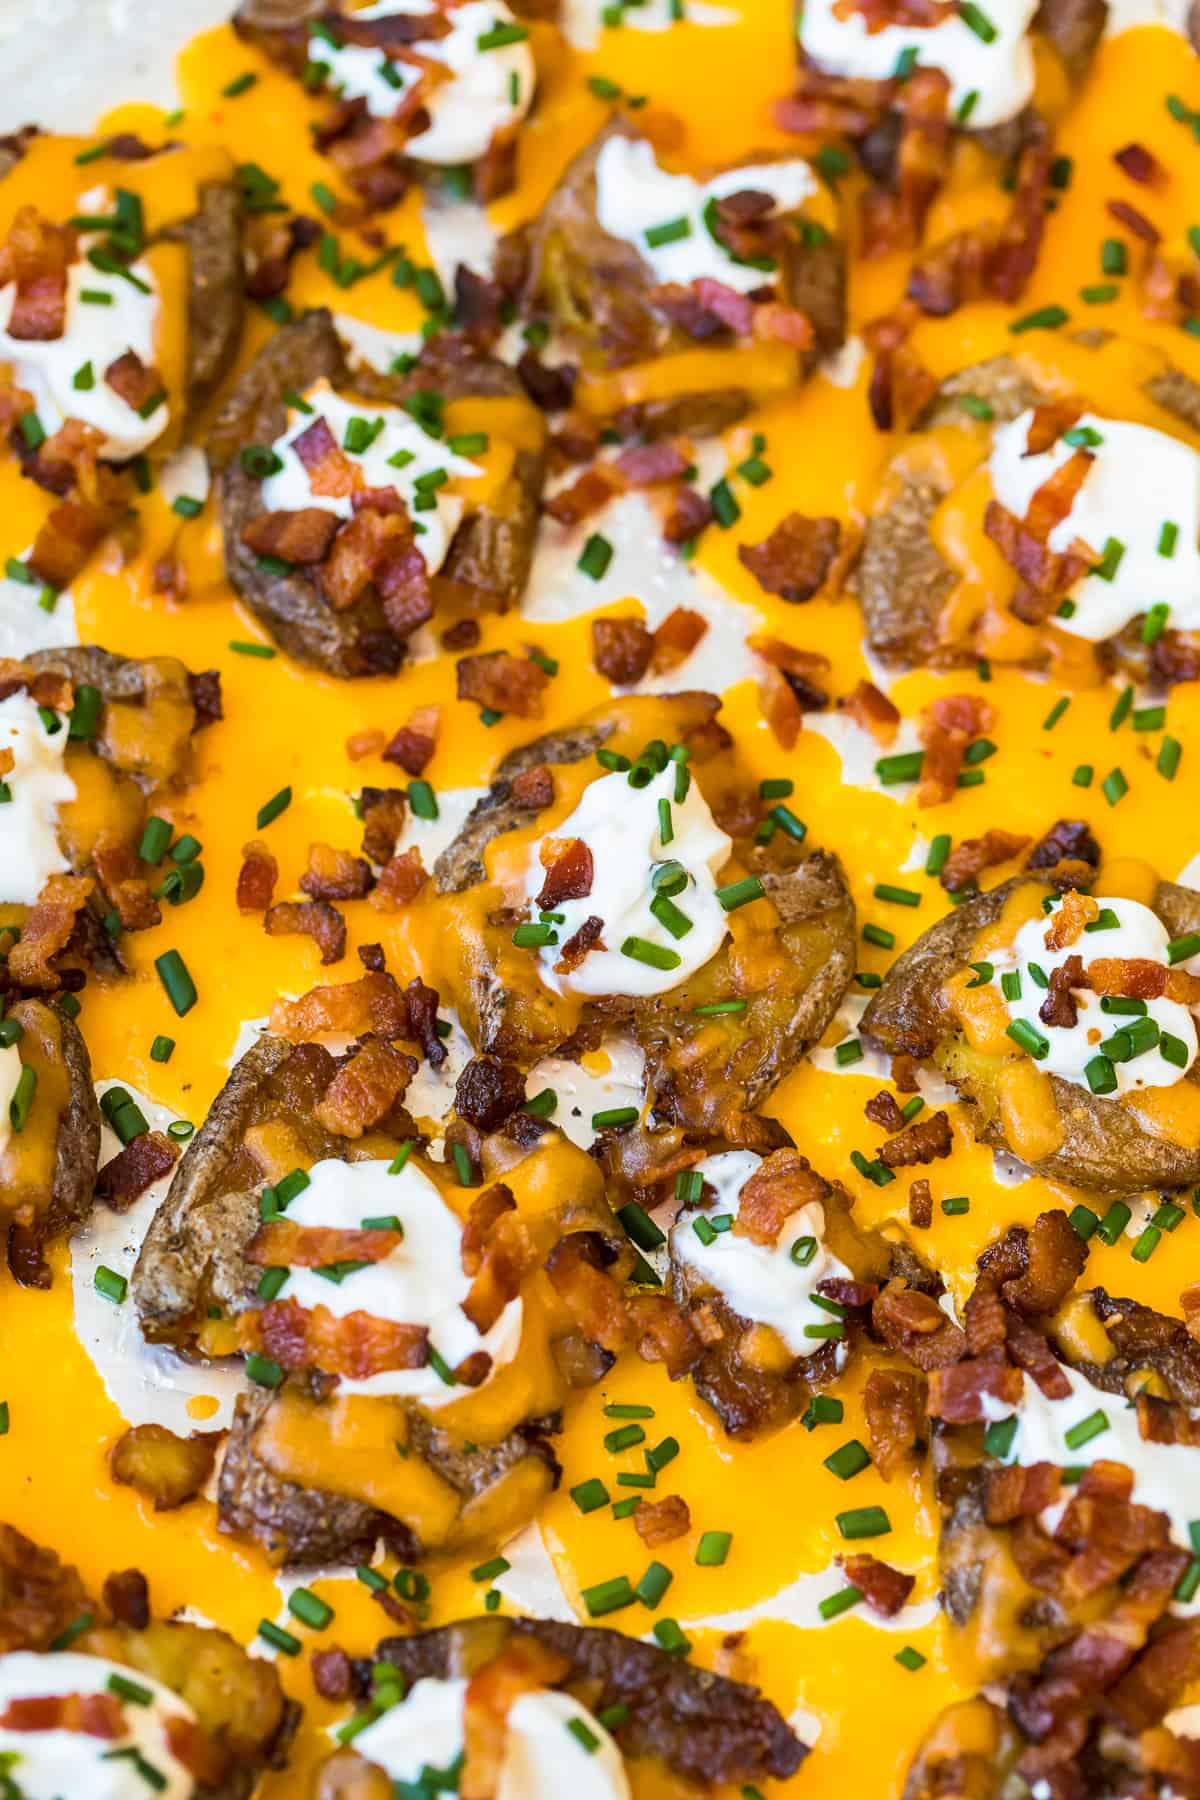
491 552
66 1204
1103 1145
162 1467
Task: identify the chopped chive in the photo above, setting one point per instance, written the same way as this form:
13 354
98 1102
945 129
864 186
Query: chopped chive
114 1287
595 557
590 1496
904 767
176 980
653 955
1169 753
1086 1430
740 893
935 862
998 1438
1023 1033
1045 318
671 231
717 1007
640 1227
654 1584
615 1115
898 896
240 84
910 1659
1113 257
726 510
272 808
280 1640
608 1596
863 1522
850 1460
310 1609
841 1602
263 1371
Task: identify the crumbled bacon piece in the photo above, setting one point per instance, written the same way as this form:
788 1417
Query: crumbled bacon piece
894 1402
36 256
373 1003
645 465
585 497
872 710
1066 926
676 638
893 217
501 682
127 1596
356 1346
273 246
413 745
782 1183
689 513
1141 978
331 474
589 1293
334 874
795 559
365 1089
400 881
533 788
920 1205
802 670
665 1334
487 1091
1141 165
93 1715
580 944
961 1393
1134 221
621 650
884 1109
378 549
1068 840
131 381
775 323
332 1673
968 860
831 105
662 1521
914 1324
570 871
309 918
884 1589
281 1242
383 812
947 727
47 930
521 1667
1059 1008
1165 1421
505 1254
550 389
901 386
135 1168
294 537
1016 1492
921 1142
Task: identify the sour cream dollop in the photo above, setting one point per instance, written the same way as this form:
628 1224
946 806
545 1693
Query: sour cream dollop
636 199
50 1765
1126 930
65 375
396 453
1139 501
770 1284
622 826
420 1283
554 1746
989 62
490 85
37 785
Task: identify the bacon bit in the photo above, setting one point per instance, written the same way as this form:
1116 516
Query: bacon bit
1068 840
915 1325
621 650
585 497
795 559
665 1334
646 465
676 638
273 247
309 918
1134 221
1016 1492
1141 165
872 710
361 744
967 861
523 1666
732 310
885 1589
335 874
894 1402
570 871
484 1212
1165 1421
580 945
295 537
93 1715
383 812
921 1142
662 1521
379 549
829 105
462 636
47 930
780 708
590 1295
894 217
356 1346
422 1005
332 1673
1140 978
1066 927
36 256
958 1395
1189 1301
508 1256
775 323
400 881
1059 1008
1036 1269
884 1109
501 682
782 1183
132 381
689 513
920 1205
947 727
533 788
126 1594
331 474
551 390
373 1003
413 745
283 1242
126 1177
802 671
365 1089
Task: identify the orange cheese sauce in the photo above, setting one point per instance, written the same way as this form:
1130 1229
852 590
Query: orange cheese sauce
285 727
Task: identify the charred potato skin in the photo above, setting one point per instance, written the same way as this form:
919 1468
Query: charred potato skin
491 553
76 1149
902 580
705 1728
597 288
1103 1146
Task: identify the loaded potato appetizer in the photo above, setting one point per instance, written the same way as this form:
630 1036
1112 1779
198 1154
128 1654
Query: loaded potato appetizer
117 321
1065 1019
49 1132
687 301
403 1331
352 506
89 744
619 875
99 1698
1043 513
417 89
524 1705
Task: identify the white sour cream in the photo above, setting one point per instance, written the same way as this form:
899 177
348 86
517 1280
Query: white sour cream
1141 480
39 785
290 490
761 1282
1164 1475
999 73
50 1765
487 91
634 195
544 1758
621 827
420 1283
1138 933
10 1075
96 334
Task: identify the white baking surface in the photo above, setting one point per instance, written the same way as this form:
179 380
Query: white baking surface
66 62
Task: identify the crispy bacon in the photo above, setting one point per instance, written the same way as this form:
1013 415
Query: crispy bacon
383 812
1165 1421
947 726
646 465
523 1666
795 559
1066 926
135 1168
422 1003
284 1242
498 681
332 1673
885 1589
803 671
506 1256
676 638
309 918
256 877
294 537
334 874
373 1003
894 1402
662 1521
884 1109
273 246
47 930
1141 165
621 650
365 1089
775 323
1068 840
132 381
36 256
1016 1492
960 1394
330 471
832 105
1059 1008
533 788
356 1346
894 217
921 1142
580 944
487 1208
93 1715
378 549
872 710
1134 221
920 1205
968 860
570 871
782 1183
585 497
689 513
413 745
665 1334
1140 978
589 1293
400 881
913 1324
